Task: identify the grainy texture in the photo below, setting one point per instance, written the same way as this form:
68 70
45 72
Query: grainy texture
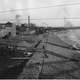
54 67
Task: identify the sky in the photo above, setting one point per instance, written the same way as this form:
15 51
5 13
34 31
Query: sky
71 11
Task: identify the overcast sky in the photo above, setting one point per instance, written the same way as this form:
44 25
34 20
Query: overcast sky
51 12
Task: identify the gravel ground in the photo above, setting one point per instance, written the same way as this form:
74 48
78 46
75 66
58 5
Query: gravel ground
54 67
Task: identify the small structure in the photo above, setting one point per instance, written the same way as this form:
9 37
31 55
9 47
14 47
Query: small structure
8 24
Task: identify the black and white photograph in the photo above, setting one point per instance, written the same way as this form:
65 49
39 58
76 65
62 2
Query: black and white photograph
40 39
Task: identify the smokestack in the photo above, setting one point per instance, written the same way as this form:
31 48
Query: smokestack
18 19
13 31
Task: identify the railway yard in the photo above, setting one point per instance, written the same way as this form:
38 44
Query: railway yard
46 57
39 39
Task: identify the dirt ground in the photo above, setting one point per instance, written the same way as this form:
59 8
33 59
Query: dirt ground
52 65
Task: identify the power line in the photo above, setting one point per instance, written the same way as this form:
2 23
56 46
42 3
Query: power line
50 19
40 7
44 19
53 18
